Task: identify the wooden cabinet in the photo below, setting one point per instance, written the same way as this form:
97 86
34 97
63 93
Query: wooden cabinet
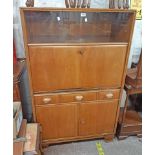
77 60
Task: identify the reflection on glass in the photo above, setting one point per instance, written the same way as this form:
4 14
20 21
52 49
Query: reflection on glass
77 27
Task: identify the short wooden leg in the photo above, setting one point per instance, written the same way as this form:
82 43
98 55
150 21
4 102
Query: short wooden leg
40 153
44 146
41 146
108 138
139 135
121 137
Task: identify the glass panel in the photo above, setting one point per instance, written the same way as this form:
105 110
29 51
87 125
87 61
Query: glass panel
77 27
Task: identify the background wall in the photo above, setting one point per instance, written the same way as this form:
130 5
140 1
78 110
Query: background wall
18 38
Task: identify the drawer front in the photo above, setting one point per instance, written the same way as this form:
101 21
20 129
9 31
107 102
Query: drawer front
109 94
77 97
46 99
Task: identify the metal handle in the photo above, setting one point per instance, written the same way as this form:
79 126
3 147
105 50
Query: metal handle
79 98
109 95
47 100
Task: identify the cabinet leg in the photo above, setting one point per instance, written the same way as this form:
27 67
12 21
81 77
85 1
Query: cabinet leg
108 138
40 153
44 146
139 135
121 137
41 146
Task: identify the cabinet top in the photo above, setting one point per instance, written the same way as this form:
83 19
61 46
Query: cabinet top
76 9
63 25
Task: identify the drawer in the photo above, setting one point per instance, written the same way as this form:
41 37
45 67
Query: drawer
109 94
46 99
77 97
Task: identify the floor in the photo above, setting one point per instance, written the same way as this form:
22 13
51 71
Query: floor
129 146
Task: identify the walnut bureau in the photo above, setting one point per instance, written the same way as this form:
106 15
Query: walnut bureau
77 61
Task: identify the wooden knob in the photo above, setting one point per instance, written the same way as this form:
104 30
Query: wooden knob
47 100
109 95
79 98
82 122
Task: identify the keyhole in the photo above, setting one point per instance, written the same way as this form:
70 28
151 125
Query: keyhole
81 52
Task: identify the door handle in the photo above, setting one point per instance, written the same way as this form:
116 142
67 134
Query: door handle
47 100
109 95
79 98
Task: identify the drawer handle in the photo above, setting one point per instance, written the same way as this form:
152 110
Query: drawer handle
47 100
110 95
78 98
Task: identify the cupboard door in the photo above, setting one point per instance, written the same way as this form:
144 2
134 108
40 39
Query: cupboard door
58 121
106 117
87 120
54 68
69 67
102 66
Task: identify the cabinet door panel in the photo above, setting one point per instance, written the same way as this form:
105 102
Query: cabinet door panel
87 121
54 68
102 66
69 67
97 117
58 121
106 116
